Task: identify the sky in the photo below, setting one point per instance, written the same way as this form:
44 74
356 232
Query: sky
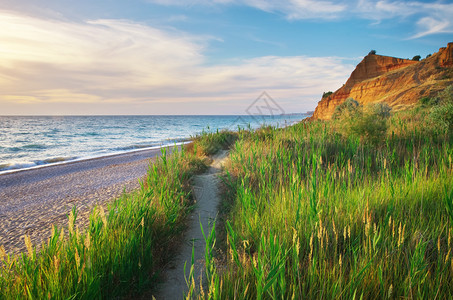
173 57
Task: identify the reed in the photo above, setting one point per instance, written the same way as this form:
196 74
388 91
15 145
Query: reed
121 251
315 213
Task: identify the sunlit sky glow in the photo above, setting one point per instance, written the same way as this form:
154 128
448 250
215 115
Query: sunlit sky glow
64 57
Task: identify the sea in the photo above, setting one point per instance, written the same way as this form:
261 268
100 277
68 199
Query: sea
36 141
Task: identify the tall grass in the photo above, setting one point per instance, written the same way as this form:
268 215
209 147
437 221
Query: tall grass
120 253
317 214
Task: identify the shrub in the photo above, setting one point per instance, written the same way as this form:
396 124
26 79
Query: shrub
381 110
371 123
326 94
446 96
416 58
428 101
372 52
441 117
368 123
346 109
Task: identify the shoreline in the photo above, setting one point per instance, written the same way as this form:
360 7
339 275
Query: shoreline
13 163
32 200
87 158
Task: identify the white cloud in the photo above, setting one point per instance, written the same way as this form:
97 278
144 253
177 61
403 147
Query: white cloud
291 9
118 66
430 18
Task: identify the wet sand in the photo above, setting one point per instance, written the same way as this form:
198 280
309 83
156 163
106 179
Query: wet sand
32 200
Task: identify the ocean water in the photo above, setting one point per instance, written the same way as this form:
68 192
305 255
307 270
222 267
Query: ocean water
38 140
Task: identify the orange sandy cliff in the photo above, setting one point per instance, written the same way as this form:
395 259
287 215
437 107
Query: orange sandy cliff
398 82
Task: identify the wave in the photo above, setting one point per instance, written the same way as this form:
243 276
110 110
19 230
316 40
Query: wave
161 143
90 134
26 147
17 166
27 165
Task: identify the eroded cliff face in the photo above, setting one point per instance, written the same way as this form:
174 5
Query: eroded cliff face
398 82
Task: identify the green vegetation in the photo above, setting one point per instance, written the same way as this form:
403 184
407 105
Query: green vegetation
121 251
357 207
440 113
369 122
416 58
313 212
326 94
211 142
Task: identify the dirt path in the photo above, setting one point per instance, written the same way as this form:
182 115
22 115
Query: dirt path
207 201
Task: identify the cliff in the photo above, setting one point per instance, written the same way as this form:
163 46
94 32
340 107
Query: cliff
398 82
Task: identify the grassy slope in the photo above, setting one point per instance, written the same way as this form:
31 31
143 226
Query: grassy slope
312 213
123 248
317 214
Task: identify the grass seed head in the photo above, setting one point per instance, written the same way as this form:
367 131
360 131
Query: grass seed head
56 264
81 273
438 244
77 258
102 215
2 253
62 234
87 241
71 222
28 245
311 248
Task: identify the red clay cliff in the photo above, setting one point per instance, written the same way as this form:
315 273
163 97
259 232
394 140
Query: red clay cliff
395 81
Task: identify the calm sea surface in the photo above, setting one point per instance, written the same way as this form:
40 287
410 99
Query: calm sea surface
32 141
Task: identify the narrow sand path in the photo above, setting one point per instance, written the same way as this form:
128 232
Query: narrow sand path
207 201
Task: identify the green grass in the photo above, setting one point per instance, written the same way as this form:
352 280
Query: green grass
211 142
309 211
314 213
122 250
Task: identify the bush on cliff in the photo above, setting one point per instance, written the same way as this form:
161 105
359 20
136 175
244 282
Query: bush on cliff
441 115
369 123
346 109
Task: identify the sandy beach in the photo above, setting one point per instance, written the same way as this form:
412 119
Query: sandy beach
32 200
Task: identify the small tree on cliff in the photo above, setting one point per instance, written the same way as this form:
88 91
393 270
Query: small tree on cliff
416 58
327 94
372 52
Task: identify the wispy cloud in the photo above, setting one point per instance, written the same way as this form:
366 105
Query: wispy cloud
125 67
291 9
427 18
430 18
